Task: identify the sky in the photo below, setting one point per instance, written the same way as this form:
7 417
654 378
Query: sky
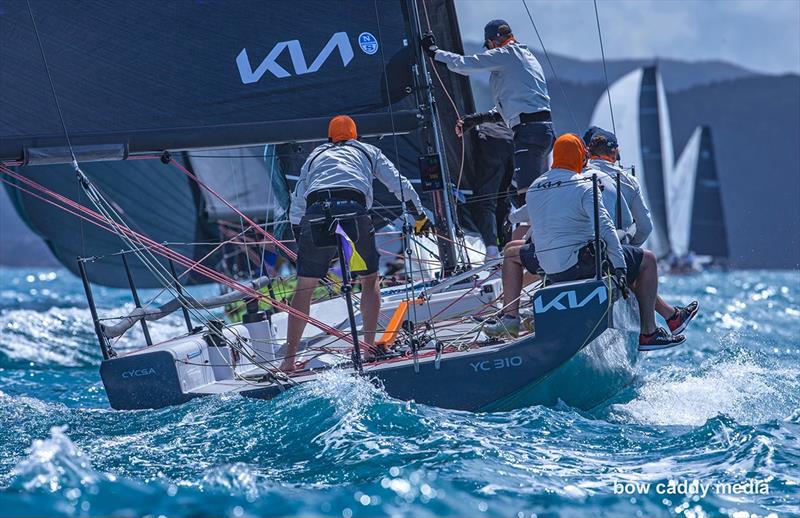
761 35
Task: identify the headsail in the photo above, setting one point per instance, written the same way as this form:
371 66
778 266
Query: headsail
695 202
264 72
643 131
152 197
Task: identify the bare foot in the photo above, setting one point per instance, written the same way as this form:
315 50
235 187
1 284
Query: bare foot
288 365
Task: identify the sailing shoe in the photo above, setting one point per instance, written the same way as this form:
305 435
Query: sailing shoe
661 339
527 320
506 325
683 315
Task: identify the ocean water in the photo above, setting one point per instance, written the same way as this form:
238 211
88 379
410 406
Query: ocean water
721 410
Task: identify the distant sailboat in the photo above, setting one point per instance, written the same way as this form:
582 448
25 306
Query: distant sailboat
641 119
697 222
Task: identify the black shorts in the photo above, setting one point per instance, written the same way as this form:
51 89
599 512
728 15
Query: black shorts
527 256
633 261
585 267
314 261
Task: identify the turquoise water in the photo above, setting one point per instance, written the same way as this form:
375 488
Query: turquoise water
724 408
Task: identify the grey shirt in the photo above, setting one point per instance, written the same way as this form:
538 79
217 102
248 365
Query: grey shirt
517 80
351 165
632 194
561 211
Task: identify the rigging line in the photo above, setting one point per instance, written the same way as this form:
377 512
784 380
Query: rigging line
552 68
179 258
286 250
605 71
410 291
449 98
52 85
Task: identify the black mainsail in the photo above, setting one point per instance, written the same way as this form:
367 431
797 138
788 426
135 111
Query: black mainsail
264 74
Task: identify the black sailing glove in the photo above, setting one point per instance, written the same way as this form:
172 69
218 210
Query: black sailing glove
470 121
621 280
428 43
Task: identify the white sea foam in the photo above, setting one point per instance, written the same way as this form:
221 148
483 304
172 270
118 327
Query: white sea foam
740 387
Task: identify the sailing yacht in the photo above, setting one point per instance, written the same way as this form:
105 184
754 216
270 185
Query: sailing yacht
95 123
698 234
642 125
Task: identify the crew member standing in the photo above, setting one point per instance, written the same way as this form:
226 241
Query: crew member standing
340 173
492 177
520 95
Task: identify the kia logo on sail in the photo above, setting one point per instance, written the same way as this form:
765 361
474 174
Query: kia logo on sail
571 300
339 41
138 372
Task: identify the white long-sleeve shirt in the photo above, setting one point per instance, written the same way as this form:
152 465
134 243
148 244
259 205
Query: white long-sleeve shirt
349 165
632 194
608 188
517 80
561 209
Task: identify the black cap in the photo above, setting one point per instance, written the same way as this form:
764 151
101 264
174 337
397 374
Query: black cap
611 139
496 28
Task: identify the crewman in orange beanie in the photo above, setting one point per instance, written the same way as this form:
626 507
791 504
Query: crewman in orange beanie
560 207
338 175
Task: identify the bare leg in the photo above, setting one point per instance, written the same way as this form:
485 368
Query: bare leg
646 290
664 309
370 307
519 233
301 301
512 277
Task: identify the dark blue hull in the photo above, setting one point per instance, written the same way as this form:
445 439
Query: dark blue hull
582 353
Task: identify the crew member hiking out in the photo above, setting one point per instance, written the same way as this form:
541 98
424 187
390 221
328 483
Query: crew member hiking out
338 176
520 95
604 156
561 207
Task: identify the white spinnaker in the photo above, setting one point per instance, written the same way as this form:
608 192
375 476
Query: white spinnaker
625 93
680 194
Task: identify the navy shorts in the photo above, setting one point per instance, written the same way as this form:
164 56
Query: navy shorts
314 261
584 268
533 142
527 256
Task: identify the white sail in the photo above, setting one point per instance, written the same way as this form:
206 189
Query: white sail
680 195
626 96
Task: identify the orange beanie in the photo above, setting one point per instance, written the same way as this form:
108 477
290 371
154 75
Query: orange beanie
569 153
342 128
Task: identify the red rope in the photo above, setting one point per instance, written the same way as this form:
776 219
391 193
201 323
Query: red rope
164 251
285 249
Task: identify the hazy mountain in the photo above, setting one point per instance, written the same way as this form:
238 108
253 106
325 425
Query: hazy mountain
677 75
755 124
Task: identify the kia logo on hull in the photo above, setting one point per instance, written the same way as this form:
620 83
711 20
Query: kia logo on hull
339 41
571 300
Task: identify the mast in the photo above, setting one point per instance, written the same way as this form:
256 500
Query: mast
443 203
